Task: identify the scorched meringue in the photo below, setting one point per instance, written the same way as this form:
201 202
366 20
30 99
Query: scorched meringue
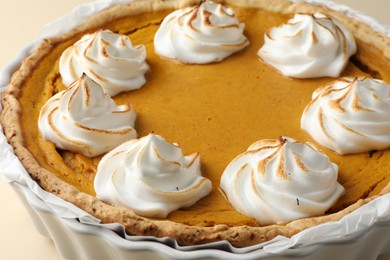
206 33
276 181
84 119
308 46
109 59
350 115
150 176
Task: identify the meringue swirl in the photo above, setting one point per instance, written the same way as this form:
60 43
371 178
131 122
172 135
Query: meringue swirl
86 120
109 59
276 181
151 177
308 46
350 115
205 33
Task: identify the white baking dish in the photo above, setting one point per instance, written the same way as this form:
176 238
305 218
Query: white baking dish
75 240
363 234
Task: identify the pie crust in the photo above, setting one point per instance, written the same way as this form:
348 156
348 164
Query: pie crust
370 44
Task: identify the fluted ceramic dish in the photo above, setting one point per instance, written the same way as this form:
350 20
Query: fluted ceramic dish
363 234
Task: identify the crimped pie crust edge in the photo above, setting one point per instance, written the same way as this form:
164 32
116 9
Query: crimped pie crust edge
239 236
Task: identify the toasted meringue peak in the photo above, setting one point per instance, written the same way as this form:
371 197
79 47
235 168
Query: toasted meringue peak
276 181
86 120
205 33
350 115
151 177
109 59
308 46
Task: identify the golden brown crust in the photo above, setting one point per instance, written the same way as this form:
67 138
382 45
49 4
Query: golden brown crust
135 225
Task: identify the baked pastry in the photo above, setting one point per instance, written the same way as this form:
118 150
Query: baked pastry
168 109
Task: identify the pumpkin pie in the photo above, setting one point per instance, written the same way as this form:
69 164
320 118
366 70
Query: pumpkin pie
217 110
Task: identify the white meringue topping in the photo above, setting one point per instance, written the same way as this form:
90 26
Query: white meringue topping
350 115
84 119
202 34
276 181
109 59
151 177
308 46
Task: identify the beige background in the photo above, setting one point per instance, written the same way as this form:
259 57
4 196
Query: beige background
20 22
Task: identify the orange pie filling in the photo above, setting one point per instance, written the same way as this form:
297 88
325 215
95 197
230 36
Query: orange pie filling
217 109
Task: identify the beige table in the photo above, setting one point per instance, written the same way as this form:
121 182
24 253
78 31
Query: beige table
20 22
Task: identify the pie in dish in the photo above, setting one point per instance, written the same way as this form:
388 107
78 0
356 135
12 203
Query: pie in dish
216 109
